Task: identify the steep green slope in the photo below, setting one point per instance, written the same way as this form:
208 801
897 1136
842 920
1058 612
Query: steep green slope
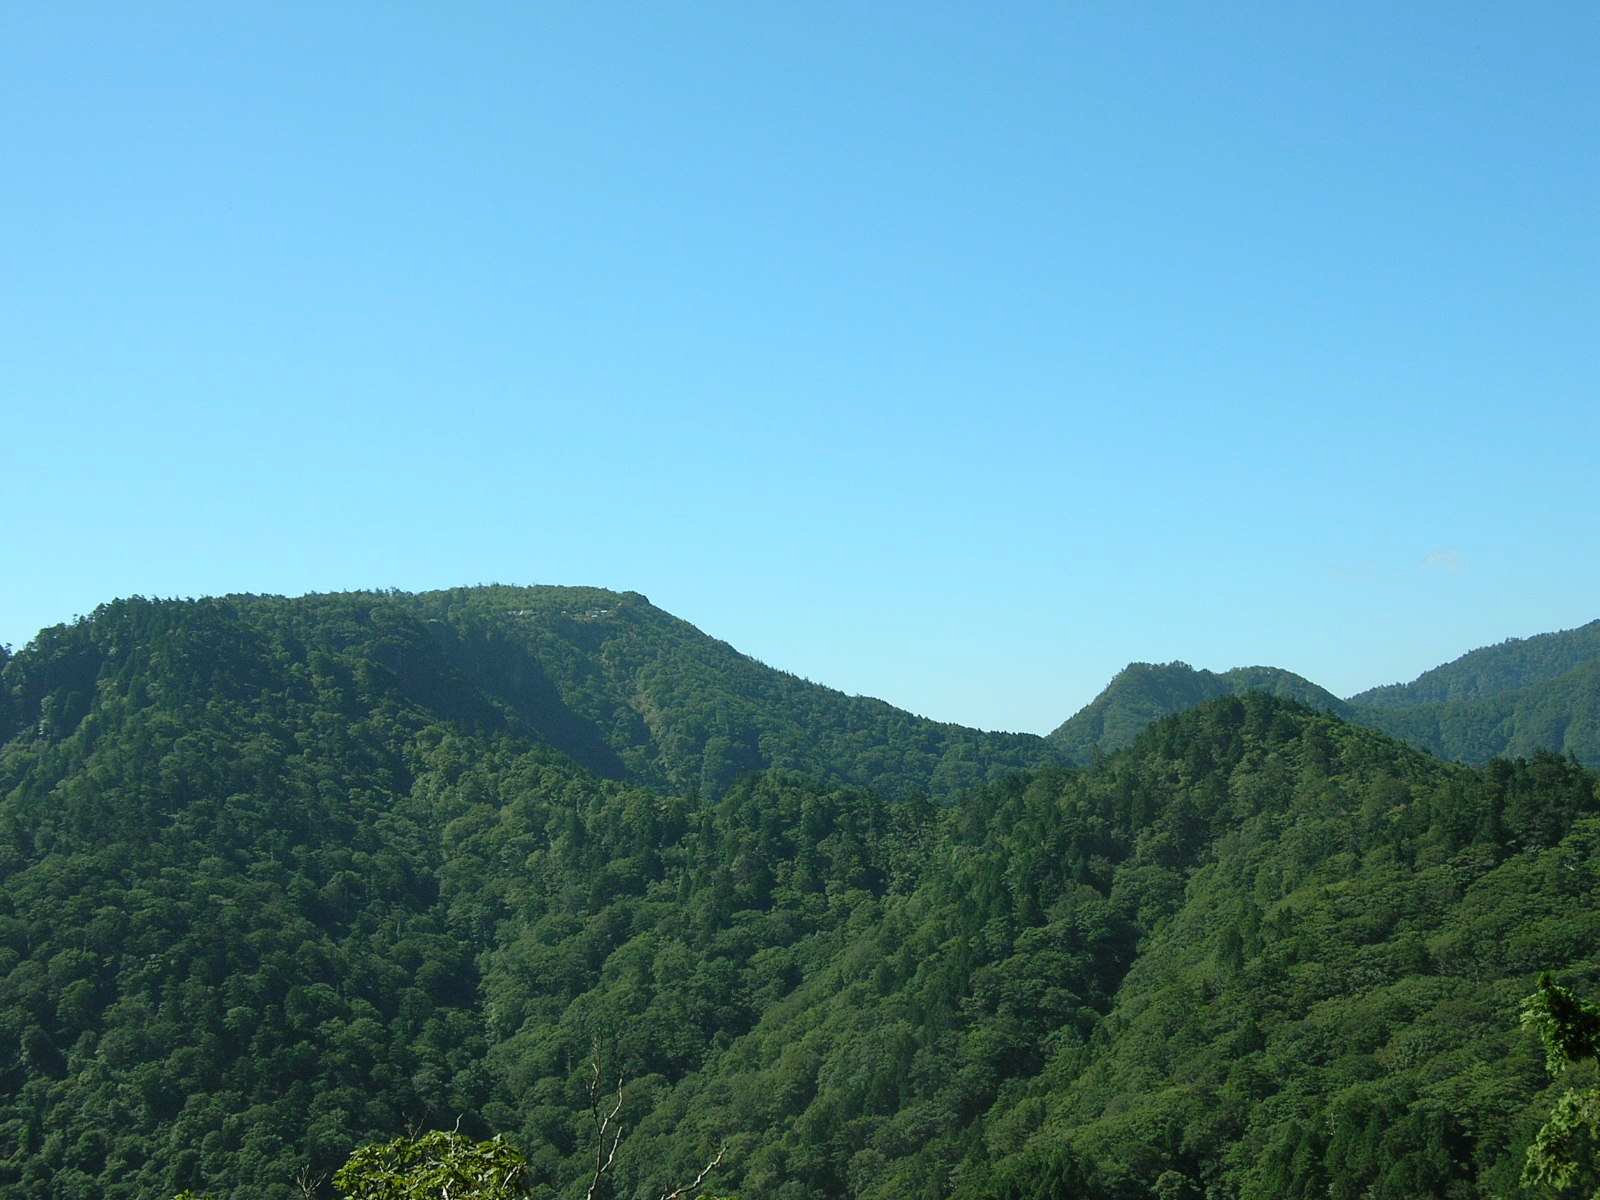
1522 696
1525 694
1145 692
223 950
1492 671
1326 1012
625 690
685 712
1560 714
283 877
1312 941
232 838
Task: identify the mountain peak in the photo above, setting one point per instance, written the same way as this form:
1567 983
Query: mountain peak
1145 692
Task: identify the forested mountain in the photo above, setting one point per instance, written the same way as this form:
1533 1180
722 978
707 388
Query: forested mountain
1489 671
1524 695
1144 692
284 877
1560 714
626 690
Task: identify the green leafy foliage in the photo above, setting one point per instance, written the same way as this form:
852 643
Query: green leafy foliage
1049 1173
285 877
1565 1154
434 1166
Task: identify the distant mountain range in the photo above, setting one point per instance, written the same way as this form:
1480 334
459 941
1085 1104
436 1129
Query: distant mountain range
633 693
1523 695
283 877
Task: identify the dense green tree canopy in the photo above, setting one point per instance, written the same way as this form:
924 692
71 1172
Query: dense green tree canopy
434 1166
286 878
1514 699
1142 693
1565 1154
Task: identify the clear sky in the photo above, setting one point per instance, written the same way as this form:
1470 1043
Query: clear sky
954 354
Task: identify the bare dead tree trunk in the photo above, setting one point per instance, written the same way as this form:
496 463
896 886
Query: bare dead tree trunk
608 1134
309 1182
604 1125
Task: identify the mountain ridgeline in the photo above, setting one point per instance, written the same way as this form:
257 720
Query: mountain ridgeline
1516 698
283 877
625 690
1491 671
1145 692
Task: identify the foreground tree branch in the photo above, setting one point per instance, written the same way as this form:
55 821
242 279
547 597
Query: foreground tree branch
679 1193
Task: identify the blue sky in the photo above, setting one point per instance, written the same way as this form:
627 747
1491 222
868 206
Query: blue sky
954 354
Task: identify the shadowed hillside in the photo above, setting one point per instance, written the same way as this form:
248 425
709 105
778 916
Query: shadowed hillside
626 690
283 877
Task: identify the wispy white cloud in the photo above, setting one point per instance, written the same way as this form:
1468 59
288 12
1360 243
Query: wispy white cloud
1442 560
